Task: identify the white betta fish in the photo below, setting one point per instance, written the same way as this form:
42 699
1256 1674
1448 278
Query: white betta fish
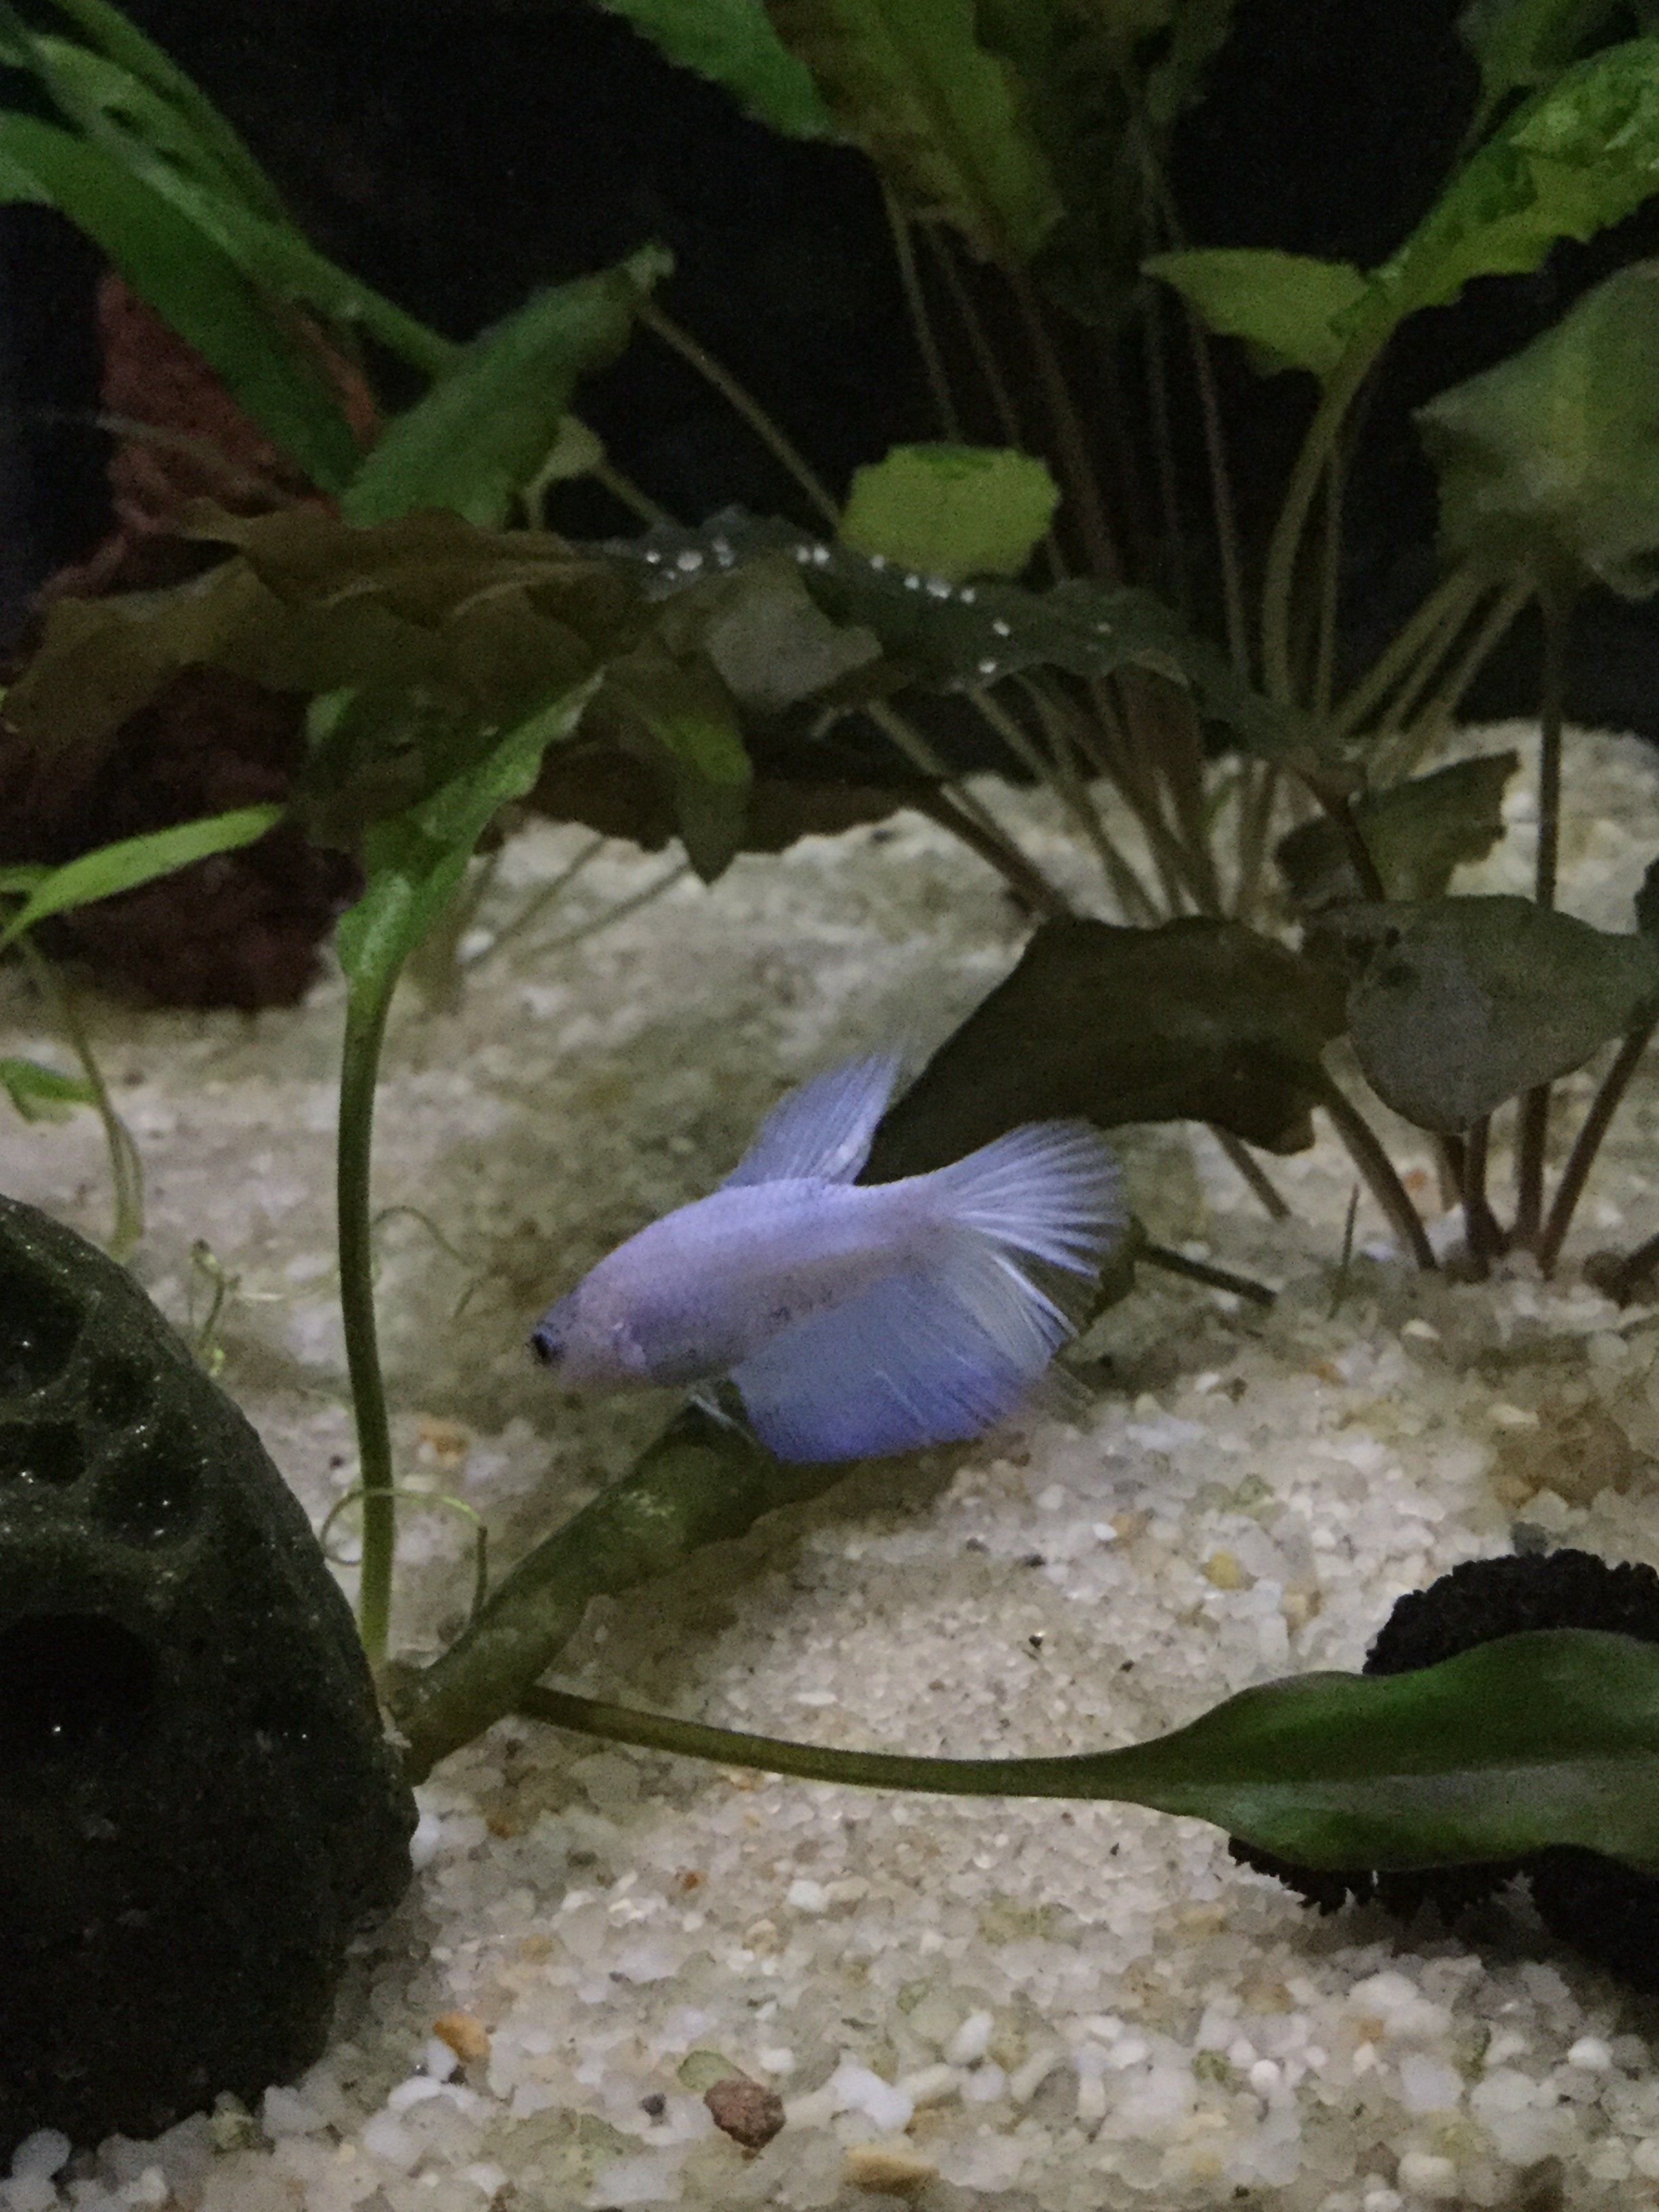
854 1319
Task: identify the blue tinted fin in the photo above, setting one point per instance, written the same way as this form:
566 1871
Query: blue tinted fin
934 1355
824 1129
1051 1189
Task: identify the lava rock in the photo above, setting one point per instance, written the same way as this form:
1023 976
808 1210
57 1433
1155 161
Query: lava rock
1602 1907
199 1809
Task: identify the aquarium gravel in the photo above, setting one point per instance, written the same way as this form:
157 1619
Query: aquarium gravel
974 2004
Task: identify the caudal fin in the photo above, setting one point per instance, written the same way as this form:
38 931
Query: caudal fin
951 1344
1052 1189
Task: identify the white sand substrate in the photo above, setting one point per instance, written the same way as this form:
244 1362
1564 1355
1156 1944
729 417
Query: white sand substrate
988 2005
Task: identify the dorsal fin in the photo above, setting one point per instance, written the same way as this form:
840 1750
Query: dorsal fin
824 1129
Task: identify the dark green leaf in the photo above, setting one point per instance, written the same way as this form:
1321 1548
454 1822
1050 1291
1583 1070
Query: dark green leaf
940 116
1417 833
135 860
1553 457
192 284
1521 44
486 428
415 861
955 511
952 638
1291 309
1647 900
732 43
1463 1003
1197 1020
1531 1741
41 1094
688 715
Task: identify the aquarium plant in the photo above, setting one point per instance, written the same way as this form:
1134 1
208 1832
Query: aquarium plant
1271 853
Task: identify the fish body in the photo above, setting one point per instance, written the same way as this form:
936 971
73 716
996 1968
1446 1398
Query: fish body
853 1319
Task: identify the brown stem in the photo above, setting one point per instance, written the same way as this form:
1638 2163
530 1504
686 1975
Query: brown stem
1353 838
1026 881
1197 1271
1276 1206
1532 1140
1077 469
921 323
1588 1143
979 341
1535 1108
1378 1170
1481 1227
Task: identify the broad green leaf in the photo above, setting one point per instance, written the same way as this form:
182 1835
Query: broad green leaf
952 638
42 1094
939 116
121 42
1289 307
1518 45
486 428
773 645
134 860
1197 1020
1552 458
1197 31
1417 833
192 285
1581 153
732 43
956 511
1460 1003
414 861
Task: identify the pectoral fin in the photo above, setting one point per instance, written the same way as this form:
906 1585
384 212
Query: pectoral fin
824 1129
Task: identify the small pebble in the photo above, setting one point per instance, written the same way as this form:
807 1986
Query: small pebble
890 2172
744 2110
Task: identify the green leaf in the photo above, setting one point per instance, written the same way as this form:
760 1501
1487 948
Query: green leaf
192 285
1531 1741
134 860
41 1094
1552 458
486 428
953 638
1463 1003
1581 153
956 511
1417 833
122 43
415 861
940 116
732 43
1518 45
1197 1020
688 715
1290 308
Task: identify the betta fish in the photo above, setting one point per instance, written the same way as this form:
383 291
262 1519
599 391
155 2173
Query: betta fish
853 1320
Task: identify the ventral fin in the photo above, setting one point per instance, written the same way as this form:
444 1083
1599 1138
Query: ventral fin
824 1130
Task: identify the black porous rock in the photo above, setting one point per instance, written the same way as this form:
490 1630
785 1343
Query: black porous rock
198 1807
1602 1907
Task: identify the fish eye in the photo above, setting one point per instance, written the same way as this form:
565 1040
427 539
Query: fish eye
547 1343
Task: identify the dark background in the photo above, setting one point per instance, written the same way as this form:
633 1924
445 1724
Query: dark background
458 152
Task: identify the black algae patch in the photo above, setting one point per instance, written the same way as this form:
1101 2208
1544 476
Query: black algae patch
1602 1907
198 1808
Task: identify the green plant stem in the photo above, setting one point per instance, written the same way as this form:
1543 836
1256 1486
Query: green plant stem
1273 1200
979 340
921 324
1400 753
1136 901
1072 447
1199 1271
1450 599
990 841
126 1169
1533 1140
1176 581
1378 1172
1258 796
627 493
1222 506
1279 579
1346 821
1071 794
540 899
742 403
1480 1229
1588 1143
367 1008
1330 584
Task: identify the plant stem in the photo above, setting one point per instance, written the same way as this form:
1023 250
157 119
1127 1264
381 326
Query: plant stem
126 1169
366 1009
1588 1143
991 841
1353 838
1071 794
623 490
915 301
1199 1271
1535 1106
1272 1199
1132 895
1155 351
1378 1171
1480 1229
1400 752
742 403
1221 493
1279 576
979 341
1258 794
1450 598
1077 470
1330 584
